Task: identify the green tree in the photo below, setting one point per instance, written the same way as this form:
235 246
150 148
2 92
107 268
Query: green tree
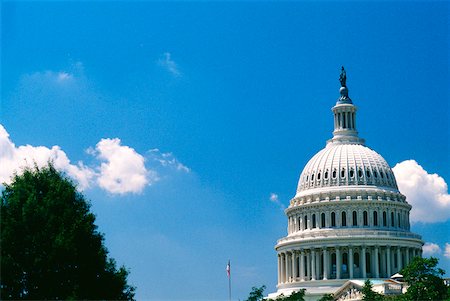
327 297
51 248
424 280
368 293
256 294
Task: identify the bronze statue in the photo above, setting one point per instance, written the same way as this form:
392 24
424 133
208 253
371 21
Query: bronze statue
343 77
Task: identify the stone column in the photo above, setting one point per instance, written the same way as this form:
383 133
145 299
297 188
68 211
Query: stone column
377 265
286 268
326 264
302 265
338 263
363 263
383 263
407 256
308 266
313 264
399 259
350 260
388 261
279 268
294 266
283 272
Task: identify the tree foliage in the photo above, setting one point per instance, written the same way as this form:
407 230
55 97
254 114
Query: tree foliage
327 297
368 293
256 294
424 280
51 248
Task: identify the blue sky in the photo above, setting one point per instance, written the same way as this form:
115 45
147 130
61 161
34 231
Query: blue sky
180 120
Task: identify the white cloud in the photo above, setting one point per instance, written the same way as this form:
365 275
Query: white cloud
123 169
447 250
430 248
167 160
274 199
169 64
14 159
427 193
119 169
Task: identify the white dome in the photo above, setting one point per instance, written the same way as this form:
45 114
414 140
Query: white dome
340 164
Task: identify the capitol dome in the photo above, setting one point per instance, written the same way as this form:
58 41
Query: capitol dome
341 164
347 221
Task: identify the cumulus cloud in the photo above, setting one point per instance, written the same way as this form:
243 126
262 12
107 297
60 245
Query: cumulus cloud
447 250
123 169
274 199
14 159
430 248
118 169
166 62
427 193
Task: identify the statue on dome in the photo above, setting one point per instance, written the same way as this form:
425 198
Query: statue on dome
343 77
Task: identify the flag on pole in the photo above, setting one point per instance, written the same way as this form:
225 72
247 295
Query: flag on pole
228 269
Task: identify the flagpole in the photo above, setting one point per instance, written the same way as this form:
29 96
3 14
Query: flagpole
229 280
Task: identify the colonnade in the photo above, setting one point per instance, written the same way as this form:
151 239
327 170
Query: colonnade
343 262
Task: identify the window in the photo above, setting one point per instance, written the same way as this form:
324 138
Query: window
326 174
365 219
306 177
356 259
306 222
382 174
375 174
355 218
322 220
312 177
392 220
299 223
343 173
344 219
368 173
334 173
352 173
398 220
360 173
384 219
375 218
333 219
313 220
318 176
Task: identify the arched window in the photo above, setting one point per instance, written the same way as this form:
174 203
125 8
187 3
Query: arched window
313 220
398 220
384 219
355 218
326 174
306 222
375 218
318 176
344 219
365 219
360 173
352 173
333 219
312 177
392 220
343 173
306 177
299 223
375 174
322 220
382 174
334 173
368 173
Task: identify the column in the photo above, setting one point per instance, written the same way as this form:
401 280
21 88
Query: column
313 265
302 265
279 269
283 272
407 257
399 259
286 267
363 263
294 266
377 265
326 264
308 266
318 265
350 260
338 263
383 263
388 261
